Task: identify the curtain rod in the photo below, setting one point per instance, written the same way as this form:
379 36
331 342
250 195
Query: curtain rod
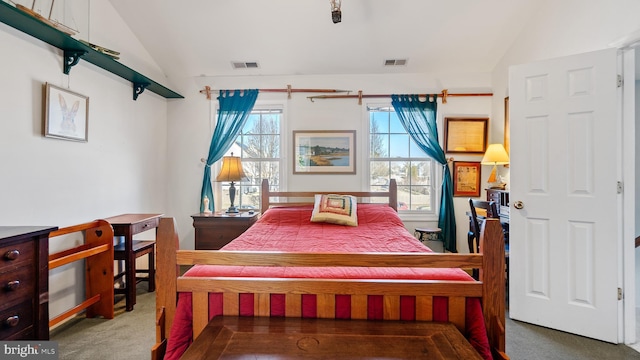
207 90
443 95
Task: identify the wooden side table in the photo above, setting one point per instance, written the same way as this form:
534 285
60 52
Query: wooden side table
127 225
215 230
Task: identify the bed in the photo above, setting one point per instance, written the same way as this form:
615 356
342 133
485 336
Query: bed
287 266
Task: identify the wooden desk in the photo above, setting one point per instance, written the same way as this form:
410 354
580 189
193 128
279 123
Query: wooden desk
231 337
127 225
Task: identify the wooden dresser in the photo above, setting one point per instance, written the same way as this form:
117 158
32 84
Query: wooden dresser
215 230
24 279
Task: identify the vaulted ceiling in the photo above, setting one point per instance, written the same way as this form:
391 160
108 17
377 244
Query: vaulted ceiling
298 37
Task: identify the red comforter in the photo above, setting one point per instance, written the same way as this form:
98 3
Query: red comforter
289 229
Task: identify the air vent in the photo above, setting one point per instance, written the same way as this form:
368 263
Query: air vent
395 62
245 65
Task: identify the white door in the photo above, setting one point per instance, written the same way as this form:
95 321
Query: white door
564 241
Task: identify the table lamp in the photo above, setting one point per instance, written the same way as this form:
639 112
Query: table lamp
231 171
495 155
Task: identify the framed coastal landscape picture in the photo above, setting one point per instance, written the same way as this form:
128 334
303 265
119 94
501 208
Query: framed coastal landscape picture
324 152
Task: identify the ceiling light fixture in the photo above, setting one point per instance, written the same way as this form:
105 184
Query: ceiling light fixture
336 13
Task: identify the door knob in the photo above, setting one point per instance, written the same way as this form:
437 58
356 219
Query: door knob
518 205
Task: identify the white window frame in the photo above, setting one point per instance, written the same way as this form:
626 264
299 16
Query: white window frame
284 158
405 215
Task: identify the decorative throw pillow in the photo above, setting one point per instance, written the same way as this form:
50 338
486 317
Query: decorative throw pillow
335 209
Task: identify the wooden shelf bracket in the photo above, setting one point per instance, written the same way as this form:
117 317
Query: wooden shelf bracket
71 58
138 88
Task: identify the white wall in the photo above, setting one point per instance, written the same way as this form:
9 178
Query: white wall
121 169
561 28
190 130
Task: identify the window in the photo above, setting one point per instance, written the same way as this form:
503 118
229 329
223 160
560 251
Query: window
259 146
394 155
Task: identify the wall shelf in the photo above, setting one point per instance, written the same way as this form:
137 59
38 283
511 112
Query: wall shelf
74 50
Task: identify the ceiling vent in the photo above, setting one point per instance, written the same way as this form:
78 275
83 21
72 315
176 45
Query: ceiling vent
245 65
395 62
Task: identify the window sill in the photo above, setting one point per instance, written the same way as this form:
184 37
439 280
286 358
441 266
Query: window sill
412 216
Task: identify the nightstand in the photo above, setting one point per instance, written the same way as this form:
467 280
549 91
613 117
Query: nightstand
215 230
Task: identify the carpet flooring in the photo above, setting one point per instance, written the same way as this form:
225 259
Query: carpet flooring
130 335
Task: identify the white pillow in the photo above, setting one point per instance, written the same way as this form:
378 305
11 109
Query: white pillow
335 209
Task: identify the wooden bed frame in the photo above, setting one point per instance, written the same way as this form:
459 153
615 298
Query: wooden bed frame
490 288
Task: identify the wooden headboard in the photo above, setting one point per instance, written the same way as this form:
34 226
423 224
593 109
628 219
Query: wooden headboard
290 198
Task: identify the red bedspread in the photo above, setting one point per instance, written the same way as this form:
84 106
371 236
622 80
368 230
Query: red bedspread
289 229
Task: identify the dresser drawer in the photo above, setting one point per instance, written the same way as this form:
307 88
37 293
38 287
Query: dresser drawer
16 320
16 286
145 225
17 254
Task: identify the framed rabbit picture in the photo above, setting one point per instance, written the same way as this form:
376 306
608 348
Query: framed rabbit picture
66 114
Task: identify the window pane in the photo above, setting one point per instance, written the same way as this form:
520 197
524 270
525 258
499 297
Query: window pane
421 172
252 126
249 198
271 124
270 146
400 172
399 146
414 150
251 146
420 198
404 198
270 170
379 145
379 122
379 171
252 170
395 125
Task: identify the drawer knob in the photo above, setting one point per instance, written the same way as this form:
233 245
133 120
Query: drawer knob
12 254
12 285
12 320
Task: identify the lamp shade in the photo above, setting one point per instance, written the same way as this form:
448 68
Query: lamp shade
495 155
231 169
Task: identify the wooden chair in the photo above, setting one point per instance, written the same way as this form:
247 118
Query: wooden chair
490 211
139 248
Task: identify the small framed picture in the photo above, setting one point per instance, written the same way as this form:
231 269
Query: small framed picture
66 114
465 135
466 178
324 152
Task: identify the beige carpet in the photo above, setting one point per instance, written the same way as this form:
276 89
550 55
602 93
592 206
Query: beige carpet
130 335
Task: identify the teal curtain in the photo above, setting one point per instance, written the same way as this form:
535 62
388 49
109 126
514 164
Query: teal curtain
419 120
235 107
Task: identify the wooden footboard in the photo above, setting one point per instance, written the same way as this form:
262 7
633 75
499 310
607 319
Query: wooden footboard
490 288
